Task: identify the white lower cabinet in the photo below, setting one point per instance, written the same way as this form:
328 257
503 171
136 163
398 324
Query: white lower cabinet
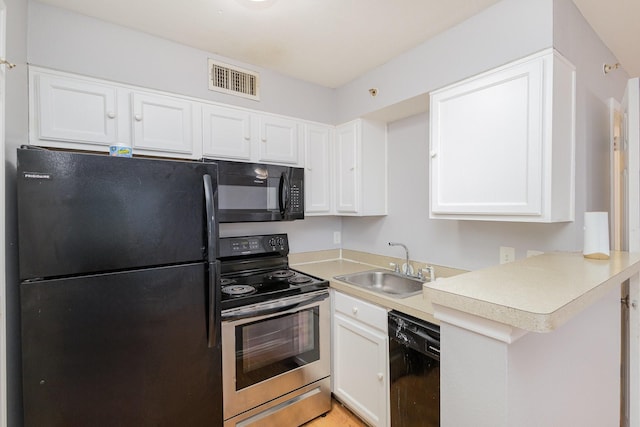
360 370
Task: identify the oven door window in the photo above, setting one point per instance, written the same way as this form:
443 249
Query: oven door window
270 347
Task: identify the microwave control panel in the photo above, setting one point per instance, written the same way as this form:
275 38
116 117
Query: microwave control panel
297 204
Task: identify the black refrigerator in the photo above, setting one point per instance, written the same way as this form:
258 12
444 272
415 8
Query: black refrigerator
119 291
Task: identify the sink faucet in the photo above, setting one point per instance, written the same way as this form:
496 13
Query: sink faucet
407 270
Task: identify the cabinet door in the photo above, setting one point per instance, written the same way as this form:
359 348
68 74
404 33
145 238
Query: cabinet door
75 110
360 369
487 143
226 133
347 168
278 140
317 174
162 123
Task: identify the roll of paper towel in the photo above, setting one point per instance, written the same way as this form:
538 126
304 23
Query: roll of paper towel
596 235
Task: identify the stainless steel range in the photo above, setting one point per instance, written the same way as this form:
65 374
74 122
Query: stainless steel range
275 335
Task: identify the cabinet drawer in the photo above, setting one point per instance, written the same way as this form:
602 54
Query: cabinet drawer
365 312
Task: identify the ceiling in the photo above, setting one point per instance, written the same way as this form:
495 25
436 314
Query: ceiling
330 42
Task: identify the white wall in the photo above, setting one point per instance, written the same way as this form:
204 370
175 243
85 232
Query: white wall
310 234
508 30
461 244
72 42
15 135
475 244
68 41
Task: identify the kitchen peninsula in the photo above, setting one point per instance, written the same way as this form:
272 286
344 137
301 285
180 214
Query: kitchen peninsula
529 343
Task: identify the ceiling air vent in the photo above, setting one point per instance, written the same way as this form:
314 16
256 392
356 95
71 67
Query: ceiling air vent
233 80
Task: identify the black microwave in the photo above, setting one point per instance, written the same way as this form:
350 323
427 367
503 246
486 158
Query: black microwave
249 192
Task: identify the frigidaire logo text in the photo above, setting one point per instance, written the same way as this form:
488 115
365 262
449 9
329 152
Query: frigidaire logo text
36 175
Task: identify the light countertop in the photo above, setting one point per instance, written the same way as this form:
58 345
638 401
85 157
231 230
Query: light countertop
536 294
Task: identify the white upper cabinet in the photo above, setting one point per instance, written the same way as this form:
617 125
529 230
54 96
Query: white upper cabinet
278 140
318 141
245 135
361 168
226 132
502 143
162 124
66 109
347 160
82 113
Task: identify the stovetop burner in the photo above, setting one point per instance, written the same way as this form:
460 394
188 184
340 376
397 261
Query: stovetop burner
238 290
280 274
242 289
255 269
297 280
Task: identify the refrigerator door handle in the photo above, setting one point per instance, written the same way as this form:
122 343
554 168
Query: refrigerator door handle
213 315
213 332
210 196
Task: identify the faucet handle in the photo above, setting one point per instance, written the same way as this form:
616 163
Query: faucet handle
427 272
396 267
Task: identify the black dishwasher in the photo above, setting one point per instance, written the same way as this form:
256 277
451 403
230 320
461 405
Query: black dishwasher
414 368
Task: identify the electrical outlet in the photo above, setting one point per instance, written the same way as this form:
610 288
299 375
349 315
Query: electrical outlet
507 254
531 252
337 237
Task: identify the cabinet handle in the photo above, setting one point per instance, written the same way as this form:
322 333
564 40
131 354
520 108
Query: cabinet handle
264 139
352 168
111 115
355 310
380 376
138 117
7 63
434 154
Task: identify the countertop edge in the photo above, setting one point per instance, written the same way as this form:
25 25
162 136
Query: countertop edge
540 322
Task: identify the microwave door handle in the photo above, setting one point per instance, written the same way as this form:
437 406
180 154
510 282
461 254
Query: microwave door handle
213 315
284 194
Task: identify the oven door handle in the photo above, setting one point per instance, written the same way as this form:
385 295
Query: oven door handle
273 307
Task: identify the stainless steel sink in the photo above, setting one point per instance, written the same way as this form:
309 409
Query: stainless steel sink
385 282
